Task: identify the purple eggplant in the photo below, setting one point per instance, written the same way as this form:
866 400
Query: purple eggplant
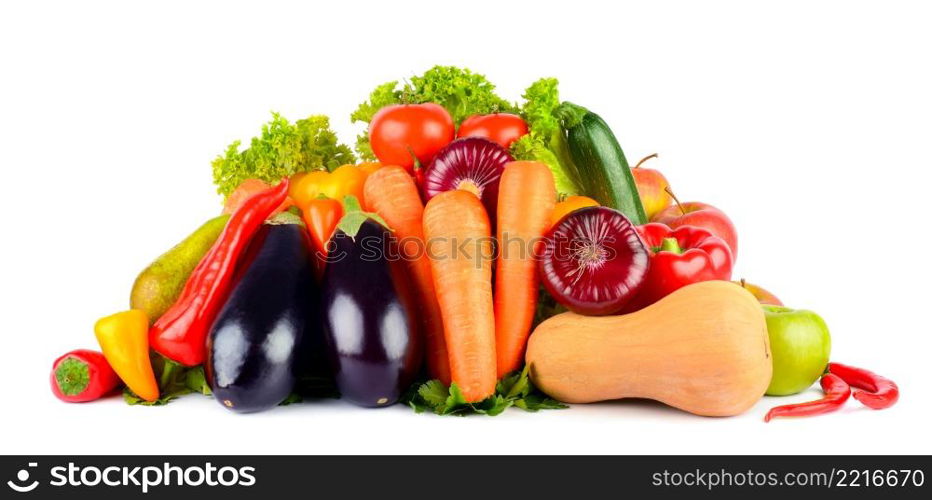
257 347
369 316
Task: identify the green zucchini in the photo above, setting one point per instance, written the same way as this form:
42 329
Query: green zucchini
601 164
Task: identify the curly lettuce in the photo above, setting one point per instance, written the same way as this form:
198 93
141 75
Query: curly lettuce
545 142
283 149
459 90
541 99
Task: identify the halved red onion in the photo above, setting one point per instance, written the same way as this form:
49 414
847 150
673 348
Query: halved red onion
593 261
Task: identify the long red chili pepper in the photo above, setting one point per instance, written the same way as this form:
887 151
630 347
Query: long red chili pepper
181 333
836 393
871 389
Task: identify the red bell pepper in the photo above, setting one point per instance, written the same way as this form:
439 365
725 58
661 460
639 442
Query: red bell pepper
181 333
82 375
679 257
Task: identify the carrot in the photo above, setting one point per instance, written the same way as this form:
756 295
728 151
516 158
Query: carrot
390 192
459 247
526 197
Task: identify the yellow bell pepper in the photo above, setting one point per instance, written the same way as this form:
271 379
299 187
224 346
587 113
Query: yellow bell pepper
124 340
345 180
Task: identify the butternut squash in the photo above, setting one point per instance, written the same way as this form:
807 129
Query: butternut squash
703 349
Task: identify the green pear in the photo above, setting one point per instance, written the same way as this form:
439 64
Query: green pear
800 343
159 285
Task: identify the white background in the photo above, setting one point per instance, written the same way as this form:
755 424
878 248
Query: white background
809 123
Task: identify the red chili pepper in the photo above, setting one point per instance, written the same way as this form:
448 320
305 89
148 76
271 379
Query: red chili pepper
82 375
181 333
871 389
836 393
680 257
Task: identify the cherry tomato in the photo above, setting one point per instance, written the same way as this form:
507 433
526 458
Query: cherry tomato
503 128
570 204
397 132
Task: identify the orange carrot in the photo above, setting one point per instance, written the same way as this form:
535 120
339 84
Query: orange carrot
391 193
526 197
459 246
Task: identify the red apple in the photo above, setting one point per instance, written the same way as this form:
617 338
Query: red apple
652 187
759 293
694 213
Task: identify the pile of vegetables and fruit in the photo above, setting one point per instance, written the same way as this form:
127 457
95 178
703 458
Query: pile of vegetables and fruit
470 255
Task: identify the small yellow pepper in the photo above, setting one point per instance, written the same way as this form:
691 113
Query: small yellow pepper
345 180
124 340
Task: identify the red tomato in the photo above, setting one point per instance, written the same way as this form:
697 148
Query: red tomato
396 132
503 128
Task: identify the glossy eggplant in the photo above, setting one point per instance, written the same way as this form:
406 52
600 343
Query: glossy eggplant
257 345
370 318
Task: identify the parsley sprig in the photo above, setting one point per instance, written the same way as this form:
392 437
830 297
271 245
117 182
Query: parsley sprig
175 380
514 389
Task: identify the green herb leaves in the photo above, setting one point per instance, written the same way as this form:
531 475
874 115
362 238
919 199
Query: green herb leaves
514 389
541 99
175 380
545 142
283 149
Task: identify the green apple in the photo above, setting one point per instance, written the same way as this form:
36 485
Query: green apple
800 343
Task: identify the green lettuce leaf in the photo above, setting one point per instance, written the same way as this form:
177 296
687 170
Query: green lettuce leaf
514 389
175 380
545 142
541 99
533 147
283 149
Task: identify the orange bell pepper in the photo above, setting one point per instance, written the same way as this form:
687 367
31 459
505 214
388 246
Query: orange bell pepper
124 340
